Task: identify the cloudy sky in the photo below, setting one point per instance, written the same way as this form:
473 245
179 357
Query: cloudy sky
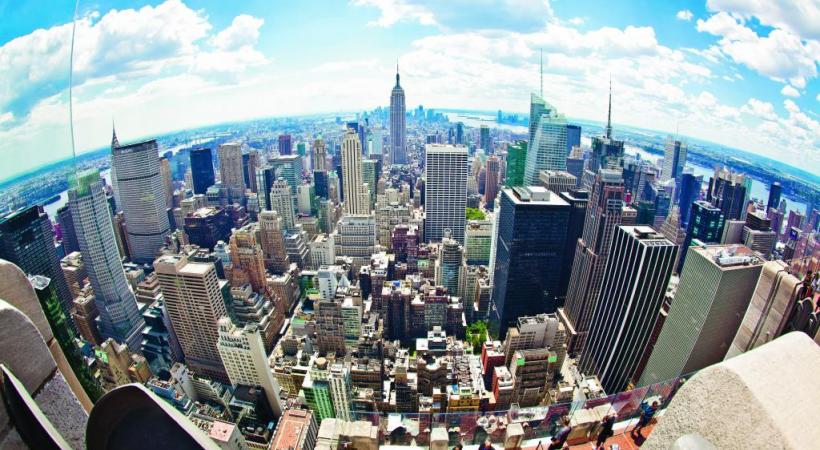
738 72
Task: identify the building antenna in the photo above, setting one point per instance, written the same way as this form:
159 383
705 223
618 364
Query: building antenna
609 111
542 73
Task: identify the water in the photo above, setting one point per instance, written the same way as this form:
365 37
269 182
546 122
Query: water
51 208
760 190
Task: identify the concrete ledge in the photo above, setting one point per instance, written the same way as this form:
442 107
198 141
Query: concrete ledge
23 350
765 398
17 291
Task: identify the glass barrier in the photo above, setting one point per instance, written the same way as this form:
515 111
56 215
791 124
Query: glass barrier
538 423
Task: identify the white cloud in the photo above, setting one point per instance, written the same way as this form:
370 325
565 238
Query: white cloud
121 45
758 108
800 17
576 21
684 14
790 91
781 56
243 31
394 11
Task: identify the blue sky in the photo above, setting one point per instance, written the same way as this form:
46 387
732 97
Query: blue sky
738 72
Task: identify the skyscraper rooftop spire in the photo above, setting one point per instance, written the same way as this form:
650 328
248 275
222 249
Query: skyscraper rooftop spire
397 73
114 141
609 112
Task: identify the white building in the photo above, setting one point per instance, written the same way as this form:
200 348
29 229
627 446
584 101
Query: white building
322 251
243 355
281 201
356 194
445 194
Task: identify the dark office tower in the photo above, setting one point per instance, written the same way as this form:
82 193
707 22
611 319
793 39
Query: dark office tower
689 191
285 144
67 228
575 164
202 170
136 174
577 200
727 191
532 232
604 214
26 239
573 137
775 192
484 139
320 183
250 161
607 153
119 316
674 160
491 180
398 138
637 273
207 226
705 225
459 133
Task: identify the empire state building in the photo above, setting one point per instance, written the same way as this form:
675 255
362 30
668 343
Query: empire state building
398 132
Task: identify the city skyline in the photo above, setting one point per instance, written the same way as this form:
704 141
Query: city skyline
668 69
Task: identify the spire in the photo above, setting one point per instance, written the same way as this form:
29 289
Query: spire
114 142
542 73
609 112
397 73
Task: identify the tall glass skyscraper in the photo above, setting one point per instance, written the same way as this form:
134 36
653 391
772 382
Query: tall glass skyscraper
516 160
398 132
532 232
674 159
548 141
142 198
202 170
26 239
119 317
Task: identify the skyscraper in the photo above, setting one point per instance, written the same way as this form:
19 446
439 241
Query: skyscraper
26 239
604 214
119 317
705 225
250 161
727 191
548 145
202 170
398 139
445 191
484 139
448 265
578 200
357 200
136 173
195 304
243 354
637 271
532 231
714 291
230 170
689 191
319 160
69 235
573 137
285 144
491 180
775 192
674 160
516 161
281 201
607 152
